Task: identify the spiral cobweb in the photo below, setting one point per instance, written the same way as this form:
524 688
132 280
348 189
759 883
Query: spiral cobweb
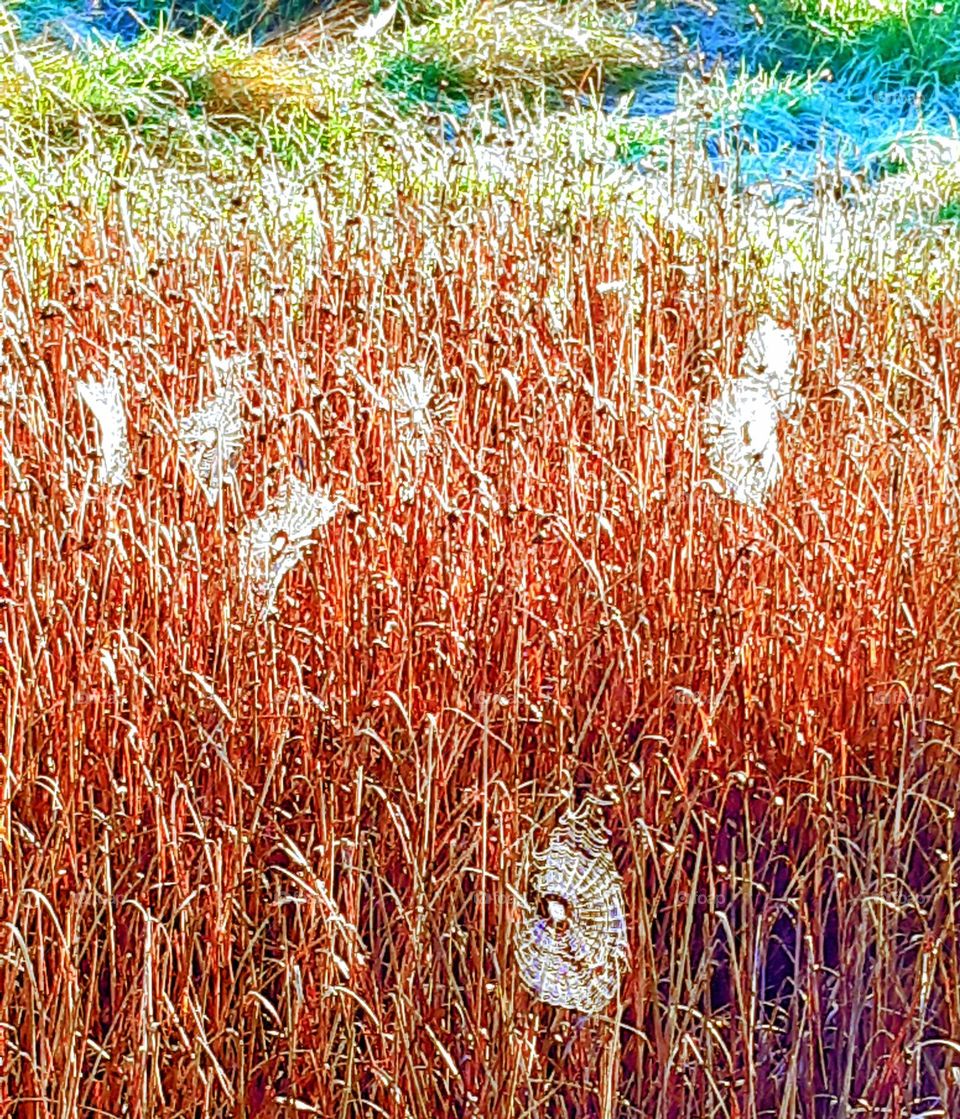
420 413
276 541
572 948
740 437
213 436
770 359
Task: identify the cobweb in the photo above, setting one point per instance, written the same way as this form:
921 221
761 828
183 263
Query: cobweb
572 947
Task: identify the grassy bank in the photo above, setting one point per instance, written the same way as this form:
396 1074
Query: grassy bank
273 865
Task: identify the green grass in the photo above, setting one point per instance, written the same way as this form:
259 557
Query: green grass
415 81
237 17
949 212
146 85
361 110
532 44
918 37
847 17
638 138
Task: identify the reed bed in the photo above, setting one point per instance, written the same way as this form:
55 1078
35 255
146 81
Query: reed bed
268 865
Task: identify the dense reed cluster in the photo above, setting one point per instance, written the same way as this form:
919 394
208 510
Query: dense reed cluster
354 544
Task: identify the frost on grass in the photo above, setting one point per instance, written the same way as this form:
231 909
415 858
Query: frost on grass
800 241
571 950
770 359
276 541
740 435
213 436
105 402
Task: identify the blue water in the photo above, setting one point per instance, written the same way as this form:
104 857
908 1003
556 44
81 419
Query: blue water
778 133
